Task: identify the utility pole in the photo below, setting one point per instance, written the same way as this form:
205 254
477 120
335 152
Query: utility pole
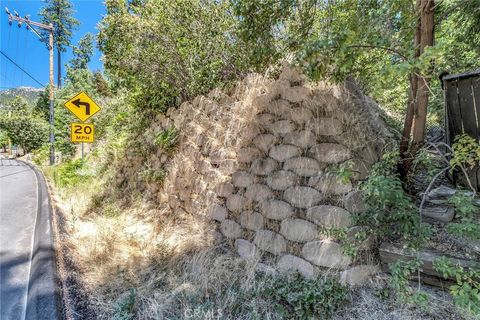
30 26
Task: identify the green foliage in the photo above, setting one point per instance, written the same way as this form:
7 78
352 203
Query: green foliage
467 229
344 171
70 173
125 308
167 139
466 291
391 212
82 53
301 298
168 52
27 131
402 272
466 152
60 14
464 205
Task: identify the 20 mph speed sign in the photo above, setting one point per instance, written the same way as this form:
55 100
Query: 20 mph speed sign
82 132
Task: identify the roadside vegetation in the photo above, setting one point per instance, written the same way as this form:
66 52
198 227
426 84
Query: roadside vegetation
137 263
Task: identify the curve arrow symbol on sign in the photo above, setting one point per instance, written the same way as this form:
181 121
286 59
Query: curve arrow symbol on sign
79 103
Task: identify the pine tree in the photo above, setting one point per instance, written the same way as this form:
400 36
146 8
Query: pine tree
82 53
60 14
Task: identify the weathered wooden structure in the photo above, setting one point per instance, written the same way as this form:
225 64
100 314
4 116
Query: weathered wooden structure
462 111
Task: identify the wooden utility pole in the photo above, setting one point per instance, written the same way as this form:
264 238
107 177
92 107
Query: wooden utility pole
30 26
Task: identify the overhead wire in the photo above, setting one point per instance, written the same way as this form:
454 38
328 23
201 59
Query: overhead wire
19 67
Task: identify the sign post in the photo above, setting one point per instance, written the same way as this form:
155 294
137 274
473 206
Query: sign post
83 107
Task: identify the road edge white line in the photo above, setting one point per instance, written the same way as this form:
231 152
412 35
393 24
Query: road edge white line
24 311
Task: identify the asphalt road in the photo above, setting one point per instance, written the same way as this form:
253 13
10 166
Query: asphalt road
27 279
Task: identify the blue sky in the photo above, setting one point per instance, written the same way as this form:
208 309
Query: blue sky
26 50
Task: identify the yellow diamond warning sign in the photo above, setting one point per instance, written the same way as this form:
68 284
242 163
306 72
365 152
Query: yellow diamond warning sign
82 106
82 132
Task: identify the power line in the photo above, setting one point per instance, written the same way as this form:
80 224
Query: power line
28 74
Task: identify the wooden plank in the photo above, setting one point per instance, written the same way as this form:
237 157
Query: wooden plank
467 107
476 100
390 253
453 110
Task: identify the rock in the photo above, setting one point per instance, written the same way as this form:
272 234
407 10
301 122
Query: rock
442 192
298 230
231 229
302 197
325 254
329 216
261 101
264 142
295 94
276 209
439 213
281 180
266 269
359 169
218 212
236 203
325 126
289 263
369 154
246 249
302 166
279 107
263 166
265 119
270 241
303 139
360 238
251 220
291 75
242 179
279 87
248 154
354 203
358 275
284 152
330 184
330 153
258 192
299 115
281 127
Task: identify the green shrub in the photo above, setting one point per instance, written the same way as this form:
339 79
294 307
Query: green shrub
466 152
167 139
466 291
125 308
401 272
464 206
467 229
300 298
70 173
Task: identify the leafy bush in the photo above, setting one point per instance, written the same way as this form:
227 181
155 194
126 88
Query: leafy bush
301 298
466 291
401 272
125 307
167 139
27 131
466 152
464 206
467 229
168 52
70 173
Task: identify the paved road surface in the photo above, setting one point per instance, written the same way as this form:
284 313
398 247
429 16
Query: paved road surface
27 287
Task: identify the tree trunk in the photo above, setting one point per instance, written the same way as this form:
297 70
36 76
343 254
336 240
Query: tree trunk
420 110
427 39
412 97
59 67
